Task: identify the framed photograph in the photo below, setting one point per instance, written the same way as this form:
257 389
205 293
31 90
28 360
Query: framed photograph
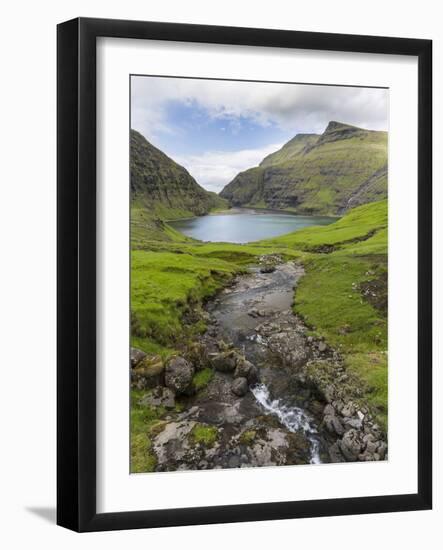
244 274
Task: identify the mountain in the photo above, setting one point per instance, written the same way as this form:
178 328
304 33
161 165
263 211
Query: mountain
317 174
163 187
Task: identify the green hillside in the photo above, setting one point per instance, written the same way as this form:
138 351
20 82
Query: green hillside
328 174
162 188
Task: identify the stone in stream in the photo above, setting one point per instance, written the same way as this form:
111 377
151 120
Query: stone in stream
225 361
245 369
178 375
240 387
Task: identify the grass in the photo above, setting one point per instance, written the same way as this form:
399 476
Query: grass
202 378
330 300
143 420
173 275
204 434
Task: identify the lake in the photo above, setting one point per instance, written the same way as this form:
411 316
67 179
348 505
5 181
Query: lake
241 225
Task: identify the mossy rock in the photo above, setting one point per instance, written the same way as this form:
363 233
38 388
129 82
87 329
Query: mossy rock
148 373
204 434
248 437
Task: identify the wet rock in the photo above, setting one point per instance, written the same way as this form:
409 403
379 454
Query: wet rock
225 361
136 356
178 375
329 410
148 373
160 396
240 387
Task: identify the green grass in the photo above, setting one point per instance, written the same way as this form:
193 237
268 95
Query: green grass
202 378
204 434
143 420
172 277
165 286
330 300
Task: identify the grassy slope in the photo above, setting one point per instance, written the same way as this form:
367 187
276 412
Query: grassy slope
319 179
172 275
329 296
163 187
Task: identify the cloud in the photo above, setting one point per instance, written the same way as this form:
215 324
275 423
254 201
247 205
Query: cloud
214 169
295 107
286 109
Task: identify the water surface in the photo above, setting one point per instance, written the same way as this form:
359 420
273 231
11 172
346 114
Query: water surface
241 225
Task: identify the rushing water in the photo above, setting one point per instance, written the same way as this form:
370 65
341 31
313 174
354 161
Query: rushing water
293 418
241 225
272 293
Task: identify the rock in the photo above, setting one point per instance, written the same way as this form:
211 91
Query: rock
351 445
329 410
329 393
178 375
160 396
240 386
353 423
136 356
225 361
321 347
382 450
148 373
335 454
348 410
197 354
334 425
267 268
245 369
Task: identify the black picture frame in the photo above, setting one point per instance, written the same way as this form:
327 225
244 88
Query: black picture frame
76 266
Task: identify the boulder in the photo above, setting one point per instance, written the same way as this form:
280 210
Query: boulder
136 356
245 369
178 375
148 373
240 387
267 268
197 354
225 361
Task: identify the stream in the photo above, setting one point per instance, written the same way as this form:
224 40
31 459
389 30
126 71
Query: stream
255 314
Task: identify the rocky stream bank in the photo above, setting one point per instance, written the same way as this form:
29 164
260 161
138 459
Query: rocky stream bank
257 389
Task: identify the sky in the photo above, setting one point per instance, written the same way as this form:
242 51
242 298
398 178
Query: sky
216 128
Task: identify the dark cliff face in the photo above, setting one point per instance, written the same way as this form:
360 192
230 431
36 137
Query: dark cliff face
327 174
163 186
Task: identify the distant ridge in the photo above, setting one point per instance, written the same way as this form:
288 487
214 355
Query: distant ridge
342 168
